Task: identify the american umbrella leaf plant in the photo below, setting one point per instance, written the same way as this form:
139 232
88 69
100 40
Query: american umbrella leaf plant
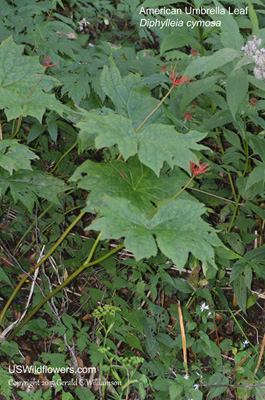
132 200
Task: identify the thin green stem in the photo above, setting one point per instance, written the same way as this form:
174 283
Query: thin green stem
92 250
243 333
33 268
151 113
234 214
172 198
65 283
154 110
64 155
36 84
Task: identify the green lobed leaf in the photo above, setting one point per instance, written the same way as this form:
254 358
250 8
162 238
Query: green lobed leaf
19 75
76 86
159 143
15 156
131 180
38 326
155 144
174 229
34 106
130 97
6 387
27 186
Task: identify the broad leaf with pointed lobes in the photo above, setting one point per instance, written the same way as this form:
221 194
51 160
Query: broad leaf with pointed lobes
26 186
130 180
177 229
15 156
18 76
154 144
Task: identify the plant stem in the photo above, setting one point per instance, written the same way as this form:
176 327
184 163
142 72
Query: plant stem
172 198
154 110
64 155
33 268
243 333
217 197
65 283
151 113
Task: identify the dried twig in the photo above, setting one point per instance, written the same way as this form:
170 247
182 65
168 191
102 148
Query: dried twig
261 354
183 337
215 195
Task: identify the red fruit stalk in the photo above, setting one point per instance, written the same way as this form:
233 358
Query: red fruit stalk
198 169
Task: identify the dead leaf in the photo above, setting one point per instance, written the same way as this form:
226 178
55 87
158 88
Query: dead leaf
70 35
80 362
27 360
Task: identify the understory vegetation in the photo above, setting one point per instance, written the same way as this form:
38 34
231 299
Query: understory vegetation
132 170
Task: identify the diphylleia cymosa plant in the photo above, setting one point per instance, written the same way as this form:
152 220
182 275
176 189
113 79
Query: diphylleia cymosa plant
251 49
